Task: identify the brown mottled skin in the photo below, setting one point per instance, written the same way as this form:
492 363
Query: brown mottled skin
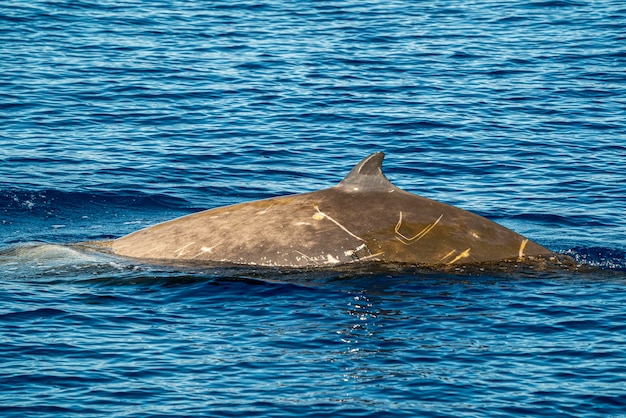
363 218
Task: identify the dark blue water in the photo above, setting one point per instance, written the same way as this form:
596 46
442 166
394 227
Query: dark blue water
115 115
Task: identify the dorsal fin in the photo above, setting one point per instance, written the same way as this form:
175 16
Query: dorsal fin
367 176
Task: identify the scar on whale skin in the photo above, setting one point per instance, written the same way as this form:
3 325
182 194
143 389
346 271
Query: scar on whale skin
521 249
411 240
321 215
464 254
179 252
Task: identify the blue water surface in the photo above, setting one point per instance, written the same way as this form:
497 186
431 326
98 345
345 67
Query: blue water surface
115 115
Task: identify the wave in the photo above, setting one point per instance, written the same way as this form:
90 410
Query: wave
554 219
48 215
47 200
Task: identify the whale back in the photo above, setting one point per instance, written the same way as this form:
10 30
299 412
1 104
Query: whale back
363 218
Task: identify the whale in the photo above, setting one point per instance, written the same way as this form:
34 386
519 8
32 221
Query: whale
363 219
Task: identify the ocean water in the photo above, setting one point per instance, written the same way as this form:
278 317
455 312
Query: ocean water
119 114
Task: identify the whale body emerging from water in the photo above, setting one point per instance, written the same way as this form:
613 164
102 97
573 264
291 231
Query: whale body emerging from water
365 218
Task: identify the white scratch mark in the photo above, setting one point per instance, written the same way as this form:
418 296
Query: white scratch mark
521 249
264 211
410 240
464 254
447 255
350 253
204 250
367 257
321 215
306 257
179 252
